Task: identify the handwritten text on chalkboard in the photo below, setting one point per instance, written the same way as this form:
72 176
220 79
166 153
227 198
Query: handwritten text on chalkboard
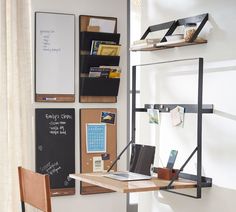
51 168
57 124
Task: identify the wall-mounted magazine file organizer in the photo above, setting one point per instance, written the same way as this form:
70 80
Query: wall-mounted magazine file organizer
93 90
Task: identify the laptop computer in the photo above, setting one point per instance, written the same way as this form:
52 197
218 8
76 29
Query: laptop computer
142 156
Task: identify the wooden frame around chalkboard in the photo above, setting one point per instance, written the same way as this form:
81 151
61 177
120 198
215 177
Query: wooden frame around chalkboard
54 57
86 159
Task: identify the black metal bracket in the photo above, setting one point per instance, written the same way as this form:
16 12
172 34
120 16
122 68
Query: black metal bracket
182 168
205 182
121 153
172 25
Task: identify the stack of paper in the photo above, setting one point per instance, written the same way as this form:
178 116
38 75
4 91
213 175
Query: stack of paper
145 43
104 25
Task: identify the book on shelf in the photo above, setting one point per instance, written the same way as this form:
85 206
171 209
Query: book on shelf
114 72
108 50
95 45
105 72
97 72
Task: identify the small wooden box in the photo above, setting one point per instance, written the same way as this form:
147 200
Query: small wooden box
166 174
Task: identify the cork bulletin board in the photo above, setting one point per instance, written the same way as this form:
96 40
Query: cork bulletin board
98 144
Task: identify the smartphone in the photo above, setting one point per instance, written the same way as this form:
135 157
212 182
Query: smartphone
172 158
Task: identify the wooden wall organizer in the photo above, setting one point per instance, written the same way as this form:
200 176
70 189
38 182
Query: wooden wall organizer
86 159
96 89
171 26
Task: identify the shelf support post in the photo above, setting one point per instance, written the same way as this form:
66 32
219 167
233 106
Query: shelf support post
133 118
199 128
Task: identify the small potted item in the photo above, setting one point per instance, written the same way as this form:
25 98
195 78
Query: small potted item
189 30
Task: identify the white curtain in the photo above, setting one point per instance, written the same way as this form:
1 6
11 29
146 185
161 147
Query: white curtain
16 140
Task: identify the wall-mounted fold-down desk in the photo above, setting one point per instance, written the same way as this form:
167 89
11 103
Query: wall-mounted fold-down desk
154 184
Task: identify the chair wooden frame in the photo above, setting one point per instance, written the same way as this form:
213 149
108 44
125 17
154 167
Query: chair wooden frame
34 190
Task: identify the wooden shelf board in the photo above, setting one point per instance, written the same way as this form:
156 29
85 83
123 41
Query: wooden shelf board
173 44
131 186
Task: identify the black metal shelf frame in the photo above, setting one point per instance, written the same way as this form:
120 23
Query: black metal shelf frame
198 108
172 25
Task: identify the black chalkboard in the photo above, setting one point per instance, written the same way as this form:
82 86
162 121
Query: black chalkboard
55 148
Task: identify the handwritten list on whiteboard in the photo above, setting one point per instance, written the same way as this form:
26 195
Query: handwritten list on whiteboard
54 53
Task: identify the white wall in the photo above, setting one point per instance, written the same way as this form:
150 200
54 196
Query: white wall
115 202
219 129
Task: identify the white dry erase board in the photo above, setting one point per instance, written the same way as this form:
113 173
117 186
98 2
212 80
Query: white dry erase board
54 57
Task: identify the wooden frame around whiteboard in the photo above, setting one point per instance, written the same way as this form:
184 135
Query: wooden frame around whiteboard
94 115
54 57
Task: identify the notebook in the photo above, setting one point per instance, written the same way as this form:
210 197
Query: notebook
142 157
127 176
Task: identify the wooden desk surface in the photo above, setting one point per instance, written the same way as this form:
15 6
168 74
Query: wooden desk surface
98 179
